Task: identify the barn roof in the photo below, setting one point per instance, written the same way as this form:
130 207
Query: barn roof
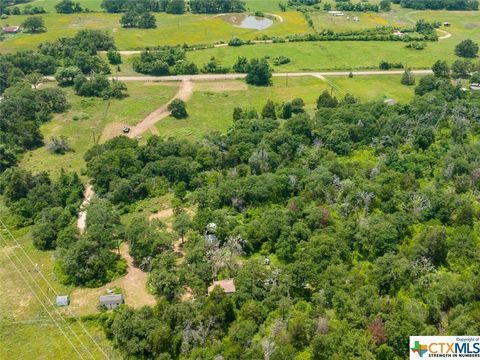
111 299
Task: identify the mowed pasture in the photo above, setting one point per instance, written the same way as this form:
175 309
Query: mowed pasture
212 104
87 118
49 5
27 331
171 30
345 55
210 109
332 55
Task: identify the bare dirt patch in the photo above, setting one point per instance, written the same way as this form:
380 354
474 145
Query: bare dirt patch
133 285
221 86
475 25
162 214
110 131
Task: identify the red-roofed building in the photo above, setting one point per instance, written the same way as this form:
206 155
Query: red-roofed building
227 285
11 29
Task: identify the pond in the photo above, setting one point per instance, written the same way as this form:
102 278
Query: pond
248 21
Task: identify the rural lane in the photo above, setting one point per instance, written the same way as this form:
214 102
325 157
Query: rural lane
234 76
184 94
82 215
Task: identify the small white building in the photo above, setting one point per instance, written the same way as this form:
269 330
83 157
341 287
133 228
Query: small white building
336 13
62 300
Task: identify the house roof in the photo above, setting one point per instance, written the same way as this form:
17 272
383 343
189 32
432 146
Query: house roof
11 28
111 299
228 285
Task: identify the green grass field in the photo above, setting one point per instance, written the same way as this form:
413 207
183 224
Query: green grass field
97 113
368 88
49 5
211 107
333 55
171 30
26 330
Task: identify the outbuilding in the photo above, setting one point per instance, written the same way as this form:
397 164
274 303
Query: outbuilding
336 13
111 301
228 286
11 29
62 300
390 102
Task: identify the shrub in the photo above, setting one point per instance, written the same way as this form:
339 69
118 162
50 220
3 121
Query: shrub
235 41
280 60
259 73
467 49
178 109
58 145
408 78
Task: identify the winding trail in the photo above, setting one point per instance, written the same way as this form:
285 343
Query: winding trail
446 35
184 93
112 130
280 18
82 215
133 284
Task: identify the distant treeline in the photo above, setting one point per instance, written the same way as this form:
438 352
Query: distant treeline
439 4
363 6
175 6
24 108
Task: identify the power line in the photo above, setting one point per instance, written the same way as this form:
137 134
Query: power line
56 294
39 300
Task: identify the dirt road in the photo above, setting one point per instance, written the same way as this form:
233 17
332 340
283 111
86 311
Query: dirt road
234 76
184 93
133 285
446 34
82 216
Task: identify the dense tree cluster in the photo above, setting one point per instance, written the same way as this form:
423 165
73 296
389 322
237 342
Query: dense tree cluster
169 6
369 212
25 106
52 207
360 6
6 8
217 6
439 4
175 6
164 60
22 111
68 7
135 19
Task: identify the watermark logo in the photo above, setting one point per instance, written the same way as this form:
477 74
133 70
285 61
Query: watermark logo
454 347
419 349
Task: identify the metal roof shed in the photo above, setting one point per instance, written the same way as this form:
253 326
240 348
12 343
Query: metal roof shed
62 300
111 301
